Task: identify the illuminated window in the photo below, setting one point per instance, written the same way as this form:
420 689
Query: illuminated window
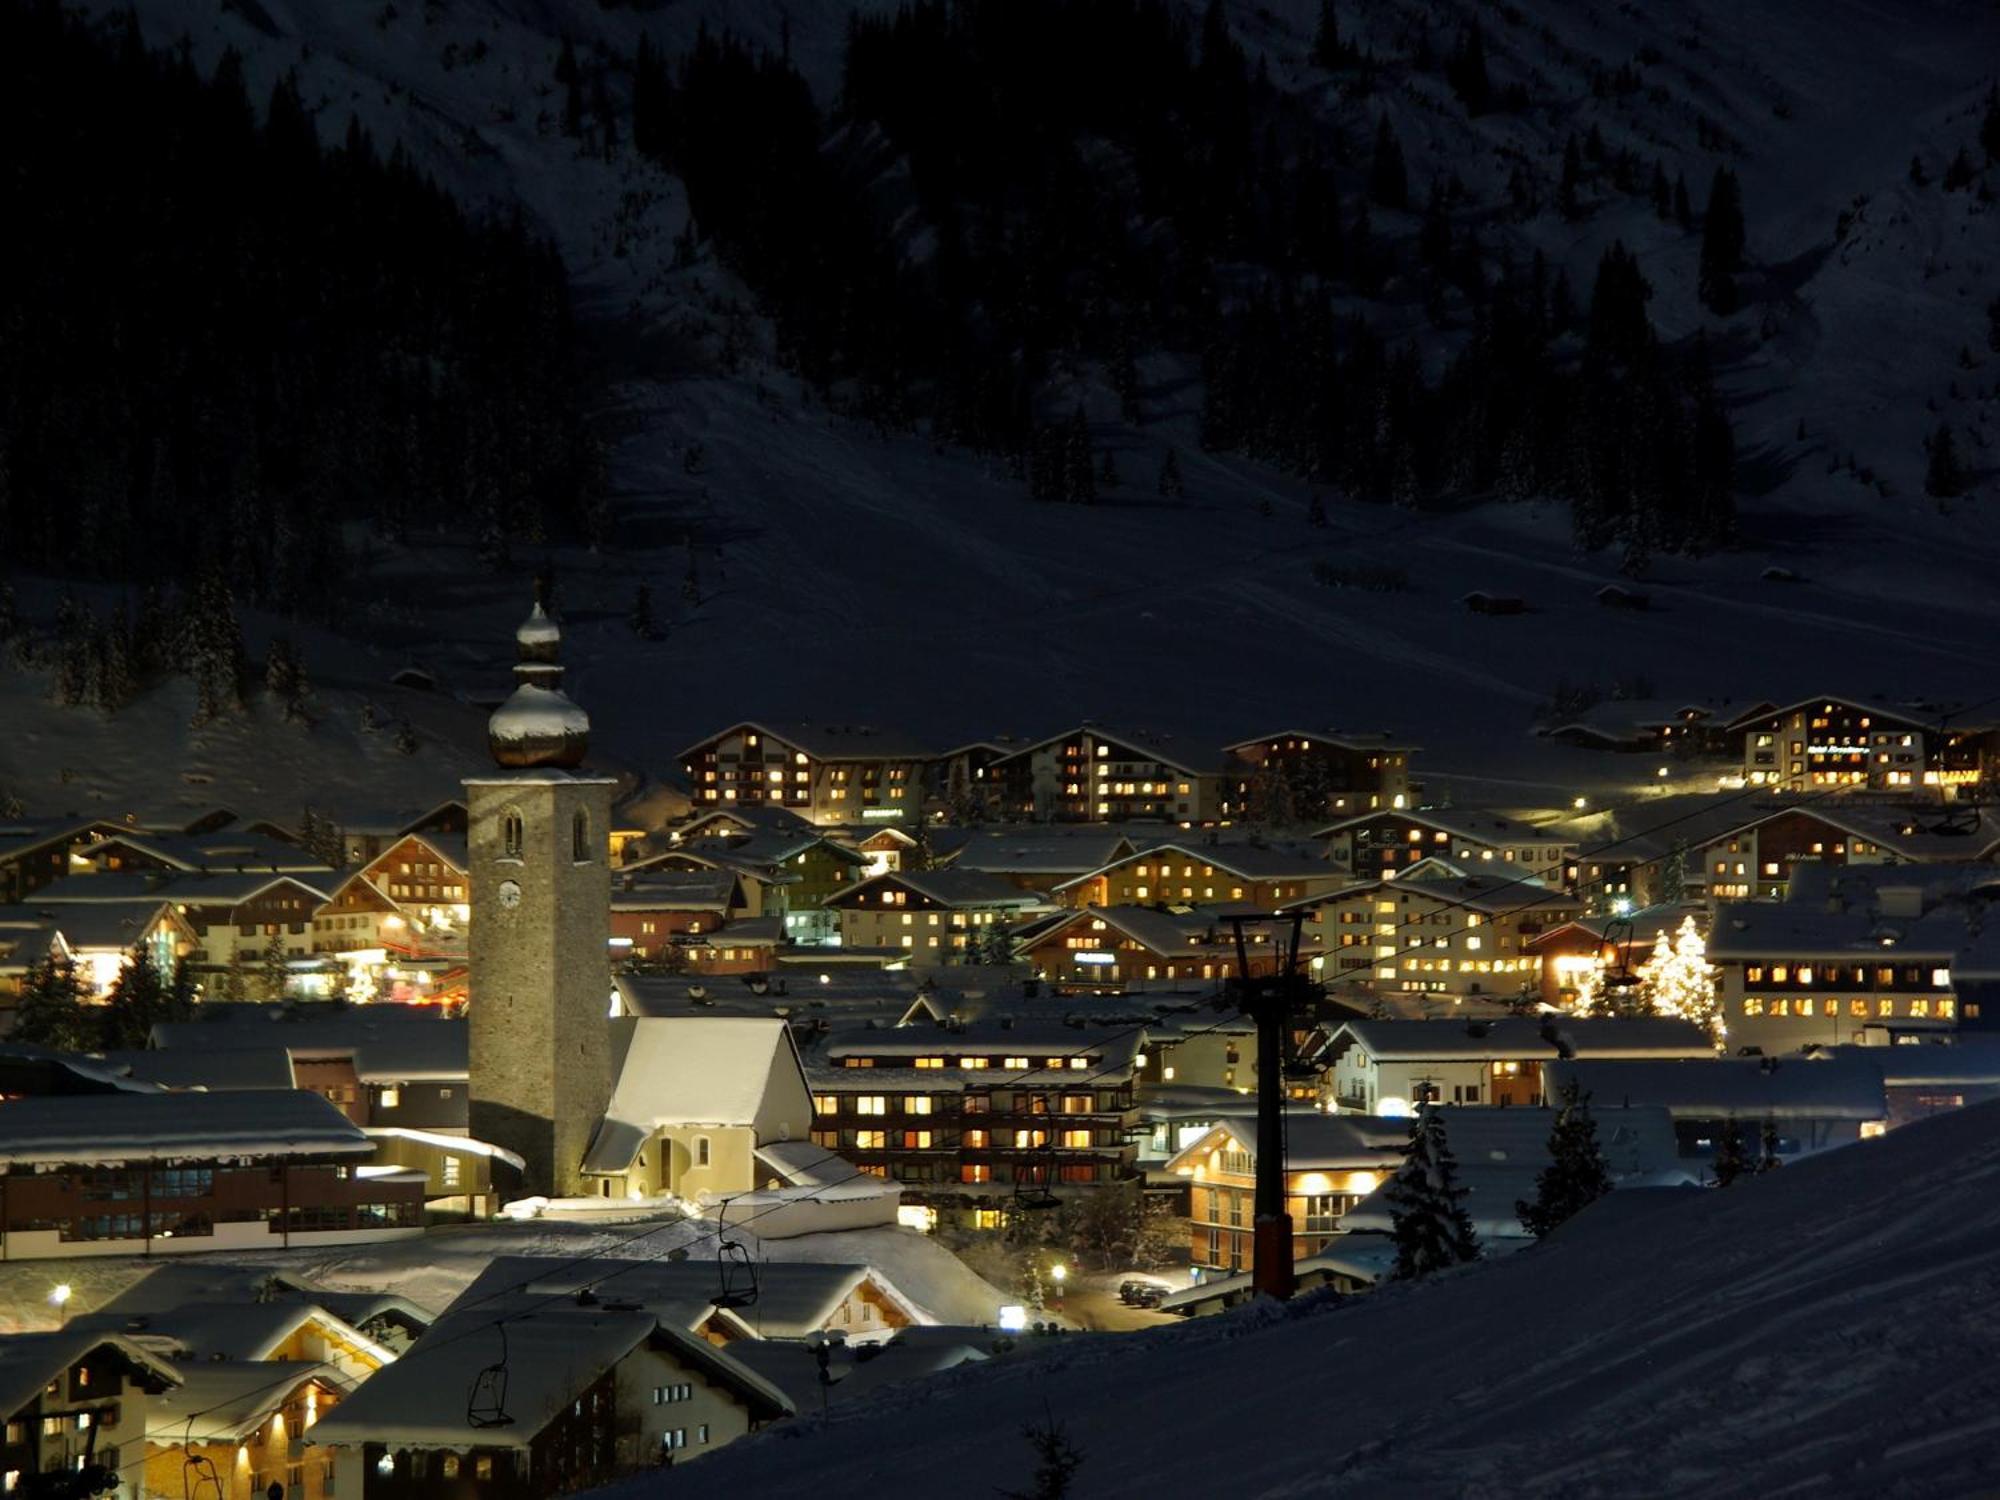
871 1104
1076 1138
916 1104
871 1140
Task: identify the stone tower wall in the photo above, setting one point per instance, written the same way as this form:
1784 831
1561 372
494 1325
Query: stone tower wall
540 981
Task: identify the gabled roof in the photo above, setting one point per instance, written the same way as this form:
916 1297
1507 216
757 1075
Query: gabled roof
89 1128
1750 930
829 742
1248 861
226 1401
1902 830
25 836
1466 823
1479 893
29 1361
699 1070
1750 1088
237 1329
951 887
1054 850
1522 1037
1922 716
222 853
137 886
1338 1143
753 817
675 890
1360 740
1177 932
1194 758
452 848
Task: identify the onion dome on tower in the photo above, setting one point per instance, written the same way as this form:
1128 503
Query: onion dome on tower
538 727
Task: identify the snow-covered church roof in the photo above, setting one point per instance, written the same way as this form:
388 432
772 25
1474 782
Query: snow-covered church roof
700 1070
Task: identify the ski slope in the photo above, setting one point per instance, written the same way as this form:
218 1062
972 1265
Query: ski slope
1826 1330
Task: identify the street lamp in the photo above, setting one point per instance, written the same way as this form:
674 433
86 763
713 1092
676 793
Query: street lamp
1060 1273
59 1296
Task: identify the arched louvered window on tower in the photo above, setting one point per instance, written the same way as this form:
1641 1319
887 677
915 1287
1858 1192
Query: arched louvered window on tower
579 837
512 834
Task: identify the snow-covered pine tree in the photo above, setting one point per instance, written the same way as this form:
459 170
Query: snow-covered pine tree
1732 1154
1170 475
643 624
1079 477
285 678
143 996
274 972
1431 1228
212 648
1989 125
1576 1176
51 1009
73 667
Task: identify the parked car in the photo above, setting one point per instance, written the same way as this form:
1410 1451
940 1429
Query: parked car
1149 1296
1134 1287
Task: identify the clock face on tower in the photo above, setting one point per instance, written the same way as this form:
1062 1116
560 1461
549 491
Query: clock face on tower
510 894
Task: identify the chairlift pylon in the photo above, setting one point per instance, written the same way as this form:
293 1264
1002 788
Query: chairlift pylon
1034 1179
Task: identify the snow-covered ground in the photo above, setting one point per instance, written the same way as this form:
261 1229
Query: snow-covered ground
434 1268
1827 1330
852 577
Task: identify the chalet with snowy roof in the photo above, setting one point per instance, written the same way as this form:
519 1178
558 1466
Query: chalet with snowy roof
366 833
1395 1067
225 852
694 1098
1141 948
654 910
1465 936
930 916
971 1119
98 939
236 919
429 876
1307 776
154 1173
1834 742
1757 858
1377 845
36 852
244 1423
803 864
1811 1104
1657 726
1041 857
1801 973
1091 774
1195 1048
1940 1075
187 1303
1222 875
1332 1162
827 773
589 1388
72 1398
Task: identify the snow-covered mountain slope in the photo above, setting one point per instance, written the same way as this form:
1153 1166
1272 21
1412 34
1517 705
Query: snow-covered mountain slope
853 576
1828 1330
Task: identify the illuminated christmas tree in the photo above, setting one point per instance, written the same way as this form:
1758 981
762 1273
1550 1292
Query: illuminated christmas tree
1680 981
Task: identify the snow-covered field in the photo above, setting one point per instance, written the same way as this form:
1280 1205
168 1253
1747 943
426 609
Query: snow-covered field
1829 1330
855 577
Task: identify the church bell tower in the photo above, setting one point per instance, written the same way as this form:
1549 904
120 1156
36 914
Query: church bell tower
540 982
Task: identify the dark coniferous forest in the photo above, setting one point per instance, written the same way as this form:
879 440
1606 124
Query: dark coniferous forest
1143 186
220 339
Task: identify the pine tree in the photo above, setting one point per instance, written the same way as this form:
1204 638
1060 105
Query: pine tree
1079 475
1944 475
1569 189
1316 512
1732 1155
1327 48
212 648
1989 125
141 998
52 1009
1577 1174
1466 72
1432 1230
73 659
117 676
1993 325
1170 475
1673 875
1388 179
643 624
274 973
1662 194
1722 244
571 78
285 678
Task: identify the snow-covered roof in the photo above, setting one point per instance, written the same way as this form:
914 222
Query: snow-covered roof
1470 824
951 887
1522 1037
84 1129
828 742
1966 1059
1751 930
1247 861
1848 1087
386 1043
150 888
226 1401
802 1164
229 851
700 1070
1313 1142
1368 740
1056 850
30 1361
1493 895
1193 756
199 1068
552 1355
